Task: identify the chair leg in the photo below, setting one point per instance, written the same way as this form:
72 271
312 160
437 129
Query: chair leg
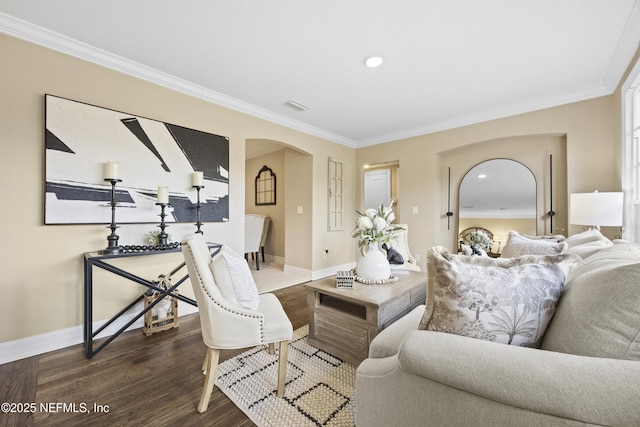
206 361
262 249
257 261
211 360
282 367
271 348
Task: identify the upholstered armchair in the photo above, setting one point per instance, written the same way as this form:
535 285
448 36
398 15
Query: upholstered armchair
232 313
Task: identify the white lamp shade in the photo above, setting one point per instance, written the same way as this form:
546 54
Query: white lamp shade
596 209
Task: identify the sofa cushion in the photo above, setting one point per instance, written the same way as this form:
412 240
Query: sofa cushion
233 278
506 300
518 245
599 310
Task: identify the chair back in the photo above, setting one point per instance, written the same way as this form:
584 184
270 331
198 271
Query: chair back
198 260
265 230
253 226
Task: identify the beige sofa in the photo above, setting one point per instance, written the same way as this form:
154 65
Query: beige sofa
587 371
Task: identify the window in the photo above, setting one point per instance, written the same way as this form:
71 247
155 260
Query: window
631 154
336 191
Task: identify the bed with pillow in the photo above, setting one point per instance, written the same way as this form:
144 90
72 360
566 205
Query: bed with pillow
539 339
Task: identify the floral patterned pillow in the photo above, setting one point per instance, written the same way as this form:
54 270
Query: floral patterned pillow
505 300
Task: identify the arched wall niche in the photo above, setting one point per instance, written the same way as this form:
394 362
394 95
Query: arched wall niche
545 155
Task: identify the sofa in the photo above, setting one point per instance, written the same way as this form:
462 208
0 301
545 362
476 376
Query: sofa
584 371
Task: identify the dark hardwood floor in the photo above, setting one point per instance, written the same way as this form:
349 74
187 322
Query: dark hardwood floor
136 380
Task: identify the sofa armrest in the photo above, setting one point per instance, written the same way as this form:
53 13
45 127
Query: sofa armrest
387 342
587 389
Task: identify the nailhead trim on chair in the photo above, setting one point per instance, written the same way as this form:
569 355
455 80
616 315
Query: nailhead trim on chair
261 318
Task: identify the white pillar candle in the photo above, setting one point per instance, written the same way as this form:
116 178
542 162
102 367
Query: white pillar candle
112 170
196 179
163 194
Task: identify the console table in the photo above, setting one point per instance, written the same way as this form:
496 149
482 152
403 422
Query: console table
97 259
343 322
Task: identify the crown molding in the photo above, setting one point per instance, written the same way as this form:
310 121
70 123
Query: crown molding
41 36
24 30
499 113
625 50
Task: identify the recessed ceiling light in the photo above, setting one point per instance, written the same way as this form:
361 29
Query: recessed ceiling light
482 176
373 61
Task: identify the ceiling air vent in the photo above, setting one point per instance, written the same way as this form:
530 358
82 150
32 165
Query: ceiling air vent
293 104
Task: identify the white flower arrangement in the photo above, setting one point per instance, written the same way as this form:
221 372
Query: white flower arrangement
479 238
374 225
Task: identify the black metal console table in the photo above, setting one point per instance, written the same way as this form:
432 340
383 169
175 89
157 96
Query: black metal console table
97 259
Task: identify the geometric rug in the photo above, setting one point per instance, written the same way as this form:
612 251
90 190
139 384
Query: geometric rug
319 390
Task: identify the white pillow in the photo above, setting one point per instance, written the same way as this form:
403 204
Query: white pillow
551 237
593 235
466 249
233 278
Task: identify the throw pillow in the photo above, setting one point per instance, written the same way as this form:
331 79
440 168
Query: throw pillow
233 278
551 237
505 300
585 250
466 249
518 245
588 236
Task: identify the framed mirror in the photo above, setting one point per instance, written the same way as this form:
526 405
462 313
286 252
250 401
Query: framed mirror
265 187
499 195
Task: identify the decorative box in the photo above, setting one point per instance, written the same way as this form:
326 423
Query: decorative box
345 279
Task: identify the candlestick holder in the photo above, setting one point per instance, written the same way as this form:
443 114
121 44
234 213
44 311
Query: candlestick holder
198 223
162 237
112 239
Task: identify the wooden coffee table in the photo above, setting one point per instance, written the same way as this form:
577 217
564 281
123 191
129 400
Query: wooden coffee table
343 322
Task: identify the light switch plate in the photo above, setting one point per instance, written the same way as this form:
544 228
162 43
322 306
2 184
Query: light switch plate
415 210
299 209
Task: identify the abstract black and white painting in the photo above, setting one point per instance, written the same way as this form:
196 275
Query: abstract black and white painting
81 138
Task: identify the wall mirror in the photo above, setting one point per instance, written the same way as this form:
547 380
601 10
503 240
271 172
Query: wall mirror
265 187
498 195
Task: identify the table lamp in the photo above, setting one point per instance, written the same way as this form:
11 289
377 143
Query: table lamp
596 209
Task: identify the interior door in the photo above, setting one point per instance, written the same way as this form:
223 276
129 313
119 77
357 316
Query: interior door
377 188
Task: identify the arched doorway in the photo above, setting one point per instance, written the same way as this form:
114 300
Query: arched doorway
288 243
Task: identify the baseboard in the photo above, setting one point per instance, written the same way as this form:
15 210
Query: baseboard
274 259
330 271
298 271
11 351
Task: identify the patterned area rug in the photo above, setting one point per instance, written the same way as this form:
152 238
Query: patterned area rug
319 389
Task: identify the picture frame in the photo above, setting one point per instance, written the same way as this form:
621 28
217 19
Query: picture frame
81 138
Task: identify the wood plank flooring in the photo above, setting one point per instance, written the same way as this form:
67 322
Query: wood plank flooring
136 380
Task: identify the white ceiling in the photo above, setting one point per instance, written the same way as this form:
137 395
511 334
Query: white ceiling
446 63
